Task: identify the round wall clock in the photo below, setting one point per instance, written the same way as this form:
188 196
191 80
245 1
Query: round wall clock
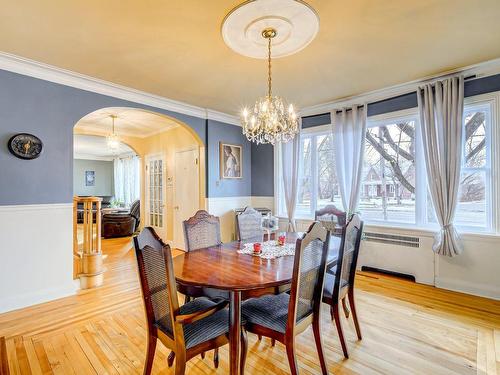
25 146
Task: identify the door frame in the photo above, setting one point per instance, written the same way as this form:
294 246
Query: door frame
175 221
147 158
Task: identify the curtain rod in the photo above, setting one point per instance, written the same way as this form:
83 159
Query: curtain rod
468 78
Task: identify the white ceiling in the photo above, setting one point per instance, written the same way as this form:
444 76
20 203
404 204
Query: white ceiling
174 48
95 147
129 122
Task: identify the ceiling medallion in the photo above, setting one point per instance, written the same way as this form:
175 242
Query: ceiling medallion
286 27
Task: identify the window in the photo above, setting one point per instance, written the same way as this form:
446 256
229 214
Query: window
318 184
389 172
394 187
474 204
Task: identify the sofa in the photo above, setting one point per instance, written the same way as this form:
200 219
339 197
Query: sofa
122 224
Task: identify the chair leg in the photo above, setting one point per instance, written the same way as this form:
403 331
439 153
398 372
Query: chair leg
292 360
338 323
202 355
259 337
319 345
273 342
244 348
170 359
180 363
150 354
216 357
350 295
346 308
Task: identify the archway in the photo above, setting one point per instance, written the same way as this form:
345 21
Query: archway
151 134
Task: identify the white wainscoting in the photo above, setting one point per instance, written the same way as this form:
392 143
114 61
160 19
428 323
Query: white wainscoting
224 208
36 254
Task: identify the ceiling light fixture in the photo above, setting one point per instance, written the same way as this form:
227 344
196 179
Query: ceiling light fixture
272 120
287 26
112 140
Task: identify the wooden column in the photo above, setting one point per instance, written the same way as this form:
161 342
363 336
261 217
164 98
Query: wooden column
88 259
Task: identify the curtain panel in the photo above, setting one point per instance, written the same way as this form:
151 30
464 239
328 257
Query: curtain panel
290 153
127 180
349 131
441 107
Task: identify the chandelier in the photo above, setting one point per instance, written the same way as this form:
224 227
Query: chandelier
112 140
271 120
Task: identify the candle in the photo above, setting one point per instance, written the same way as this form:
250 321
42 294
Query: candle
281 240
257 248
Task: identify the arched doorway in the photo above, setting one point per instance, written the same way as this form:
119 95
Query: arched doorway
163 143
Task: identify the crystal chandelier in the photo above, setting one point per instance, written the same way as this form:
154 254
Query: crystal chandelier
112 140
272 120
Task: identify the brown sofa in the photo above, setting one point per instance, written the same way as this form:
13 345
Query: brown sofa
122 224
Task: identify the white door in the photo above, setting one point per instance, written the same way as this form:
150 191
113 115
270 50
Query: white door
155 193
186 191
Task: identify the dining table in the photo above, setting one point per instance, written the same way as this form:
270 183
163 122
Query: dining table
222 267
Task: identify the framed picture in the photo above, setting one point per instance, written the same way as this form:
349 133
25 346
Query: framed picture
231 163
89 178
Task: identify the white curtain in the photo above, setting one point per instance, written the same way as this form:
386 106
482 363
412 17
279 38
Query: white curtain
290 170
349 128
441 107
127 180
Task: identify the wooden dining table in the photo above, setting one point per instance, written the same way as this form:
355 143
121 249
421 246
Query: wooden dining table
222 267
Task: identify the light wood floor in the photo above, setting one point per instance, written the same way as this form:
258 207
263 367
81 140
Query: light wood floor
407 329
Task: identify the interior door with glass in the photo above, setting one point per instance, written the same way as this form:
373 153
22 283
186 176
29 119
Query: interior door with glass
155 193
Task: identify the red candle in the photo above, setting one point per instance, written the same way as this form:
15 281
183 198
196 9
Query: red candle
281 240
257 248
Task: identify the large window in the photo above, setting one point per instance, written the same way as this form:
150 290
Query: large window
394 187
318 185
389 172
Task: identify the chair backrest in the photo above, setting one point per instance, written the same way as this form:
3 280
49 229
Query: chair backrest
158 286
202 230
311 253
135 210
148 237
348 255
248 223
331 210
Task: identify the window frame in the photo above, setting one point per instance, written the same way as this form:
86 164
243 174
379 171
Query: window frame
490 100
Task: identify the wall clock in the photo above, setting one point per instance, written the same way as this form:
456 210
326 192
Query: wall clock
25 146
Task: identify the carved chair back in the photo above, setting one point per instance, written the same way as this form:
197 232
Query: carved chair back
202 230
248 223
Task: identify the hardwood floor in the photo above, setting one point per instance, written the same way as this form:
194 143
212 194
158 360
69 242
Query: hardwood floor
407 329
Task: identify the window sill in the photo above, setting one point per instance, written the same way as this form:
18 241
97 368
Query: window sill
465 234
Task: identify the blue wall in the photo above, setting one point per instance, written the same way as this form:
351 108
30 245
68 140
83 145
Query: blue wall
262 170
217 187
50 111
406 101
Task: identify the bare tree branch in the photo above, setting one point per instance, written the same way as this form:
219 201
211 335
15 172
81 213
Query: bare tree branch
395 146
394 165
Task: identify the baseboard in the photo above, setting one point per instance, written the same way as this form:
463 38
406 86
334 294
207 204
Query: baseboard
37 297
483 290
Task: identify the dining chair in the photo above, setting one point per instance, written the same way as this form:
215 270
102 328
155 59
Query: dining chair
284 316
187 330
201 231
327 212
340 285
248 224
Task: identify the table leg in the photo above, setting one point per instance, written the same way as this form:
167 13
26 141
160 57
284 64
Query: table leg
234 332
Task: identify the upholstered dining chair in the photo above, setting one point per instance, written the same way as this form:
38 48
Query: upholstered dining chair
248 224
284 316
327 212
187 330
201 231
340 285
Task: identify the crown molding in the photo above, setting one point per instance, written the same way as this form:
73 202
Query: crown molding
222 117
35 69
480 70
